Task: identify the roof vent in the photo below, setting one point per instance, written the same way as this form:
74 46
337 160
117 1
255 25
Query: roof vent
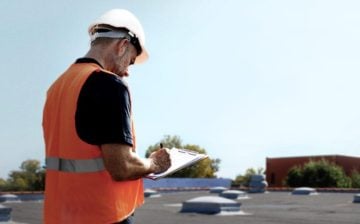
148 193
304 191
356 198
234 194
210 205
217 190
9 197
5 213
257 184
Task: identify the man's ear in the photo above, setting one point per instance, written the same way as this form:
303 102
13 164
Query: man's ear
121 46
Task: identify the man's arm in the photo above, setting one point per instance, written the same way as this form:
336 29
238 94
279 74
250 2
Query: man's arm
123 164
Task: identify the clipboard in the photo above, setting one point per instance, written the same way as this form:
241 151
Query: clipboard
180 159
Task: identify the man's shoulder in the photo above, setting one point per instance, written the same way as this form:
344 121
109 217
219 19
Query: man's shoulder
101 77
105 87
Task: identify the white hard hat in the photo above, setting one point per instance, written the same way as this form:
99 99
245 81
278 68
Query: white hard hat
121 18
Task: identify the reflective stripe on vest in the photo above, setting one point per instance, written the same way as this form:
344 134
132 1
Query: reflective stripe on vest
75 165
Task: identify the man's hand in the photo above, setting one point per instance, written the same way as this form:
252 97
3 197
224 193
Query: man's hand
160 160
123 164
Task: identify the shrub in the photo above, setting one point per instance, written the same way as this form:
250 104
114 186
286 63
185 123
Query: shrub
355 179
320 173
294 177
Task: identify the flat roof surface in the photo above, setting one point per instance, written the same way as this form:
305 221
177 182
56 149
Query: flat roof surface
268 208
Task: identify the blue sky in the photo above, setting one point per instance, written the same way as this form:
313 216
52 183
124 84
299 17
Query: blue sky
245 80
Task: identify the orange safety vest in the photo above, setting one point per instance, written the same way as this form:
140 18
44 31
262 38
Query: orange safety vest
78 189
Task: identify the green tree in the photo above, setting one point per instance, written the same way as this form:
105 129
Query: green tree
320 173
3 184
30 177
294 177
203 169
355 179
168 142
17 181
323 173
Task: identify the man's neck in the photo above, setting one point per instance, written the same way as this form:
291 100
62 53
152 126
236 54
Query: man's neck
96 57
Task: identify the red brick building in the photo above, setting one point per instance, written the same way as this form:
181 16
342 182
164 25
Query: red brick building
277 168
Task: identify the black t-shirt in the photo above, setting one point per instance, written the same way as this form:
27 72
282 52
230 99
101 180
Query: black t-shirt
103 109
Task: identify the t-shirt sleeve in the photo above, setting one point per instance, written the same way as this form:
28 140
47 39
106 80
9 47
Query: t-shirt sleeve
103 111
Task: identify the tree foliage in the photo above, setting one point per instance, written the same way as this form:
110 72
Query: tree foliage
3 184
30 177
168 142
295 177
355 179
203 169
244 180
320 173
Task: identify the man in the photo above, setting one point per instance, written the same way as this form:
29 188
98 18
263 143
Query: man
93 172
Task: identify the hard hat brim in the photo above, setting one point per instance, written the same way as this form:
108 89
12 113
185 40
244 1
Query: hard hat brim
141 58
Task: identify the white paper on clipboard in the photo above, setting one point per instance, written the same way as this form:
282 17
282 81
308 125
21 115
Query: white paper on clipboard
180 158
